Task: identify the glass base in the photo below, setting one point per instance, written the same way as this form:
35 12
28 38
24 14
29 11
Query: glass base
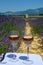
28 62
13 60
12 57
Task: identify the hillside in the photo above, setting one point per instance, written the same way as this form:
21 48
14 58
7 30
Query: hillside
30 12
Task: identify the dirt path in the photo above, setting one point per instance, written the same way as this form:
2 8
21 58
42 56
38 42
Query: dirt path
35 45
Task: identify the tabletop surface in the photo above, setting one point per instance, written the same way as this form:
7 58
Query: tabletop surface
35 58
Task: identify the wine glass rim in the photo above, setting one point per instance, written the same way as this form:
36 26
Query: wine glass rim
28 36
13 32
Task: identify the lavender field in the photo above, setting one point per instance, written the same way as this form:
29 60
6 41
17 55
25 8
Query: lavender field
8 23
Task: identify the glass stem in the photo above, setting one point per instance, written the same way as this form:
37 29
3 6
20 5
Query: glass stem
28 52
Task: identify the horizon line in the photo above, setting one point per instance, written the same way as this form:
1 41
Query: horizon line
18 10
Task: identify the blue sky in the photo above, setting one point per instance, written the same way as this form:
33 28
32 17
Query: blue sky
19 5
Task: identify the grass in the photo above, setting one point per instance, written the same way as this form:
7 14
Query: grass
3 48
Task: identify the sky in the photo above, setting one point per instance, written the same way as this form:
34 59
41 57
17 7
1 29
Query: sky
19 5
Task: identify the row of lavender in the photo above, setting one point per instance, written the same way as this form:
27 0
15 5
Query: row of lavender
8 23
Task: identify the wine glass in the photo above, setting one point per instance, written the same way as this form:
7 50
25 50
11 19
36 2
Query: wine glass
14 38
28 39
